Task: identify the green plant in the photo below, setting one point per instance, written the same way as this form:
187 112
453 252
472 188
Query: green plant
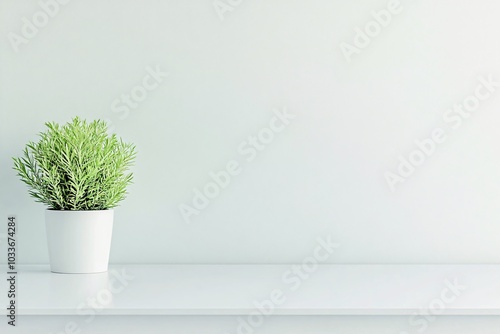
77 166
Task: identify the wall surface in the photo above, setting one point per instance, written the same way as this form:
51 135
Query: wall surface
374 122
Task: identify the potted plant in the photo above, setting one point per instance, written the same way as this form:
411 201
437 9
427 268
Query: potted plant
80 173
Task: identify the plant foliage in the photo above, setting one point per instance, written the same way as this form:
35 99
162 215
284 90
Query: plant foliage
77 166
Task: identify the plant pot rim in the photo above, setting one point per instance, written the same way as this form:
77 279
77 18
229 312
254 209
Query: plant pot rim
53 210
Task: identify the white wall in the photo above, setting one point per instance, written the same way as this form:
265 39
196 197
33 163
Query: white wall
323 174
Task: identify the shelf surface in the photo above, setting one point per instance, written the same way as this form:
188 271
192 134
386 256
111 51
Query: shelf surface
247 289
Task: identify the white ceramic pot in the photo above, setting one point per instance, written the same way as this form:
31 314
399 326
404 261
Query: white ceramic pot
79 241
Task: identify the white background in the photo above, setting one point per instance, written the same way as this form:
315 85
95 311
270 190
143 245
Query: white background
324 174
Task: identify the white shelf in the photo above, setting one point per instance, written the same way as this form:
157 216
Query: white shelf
233 289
